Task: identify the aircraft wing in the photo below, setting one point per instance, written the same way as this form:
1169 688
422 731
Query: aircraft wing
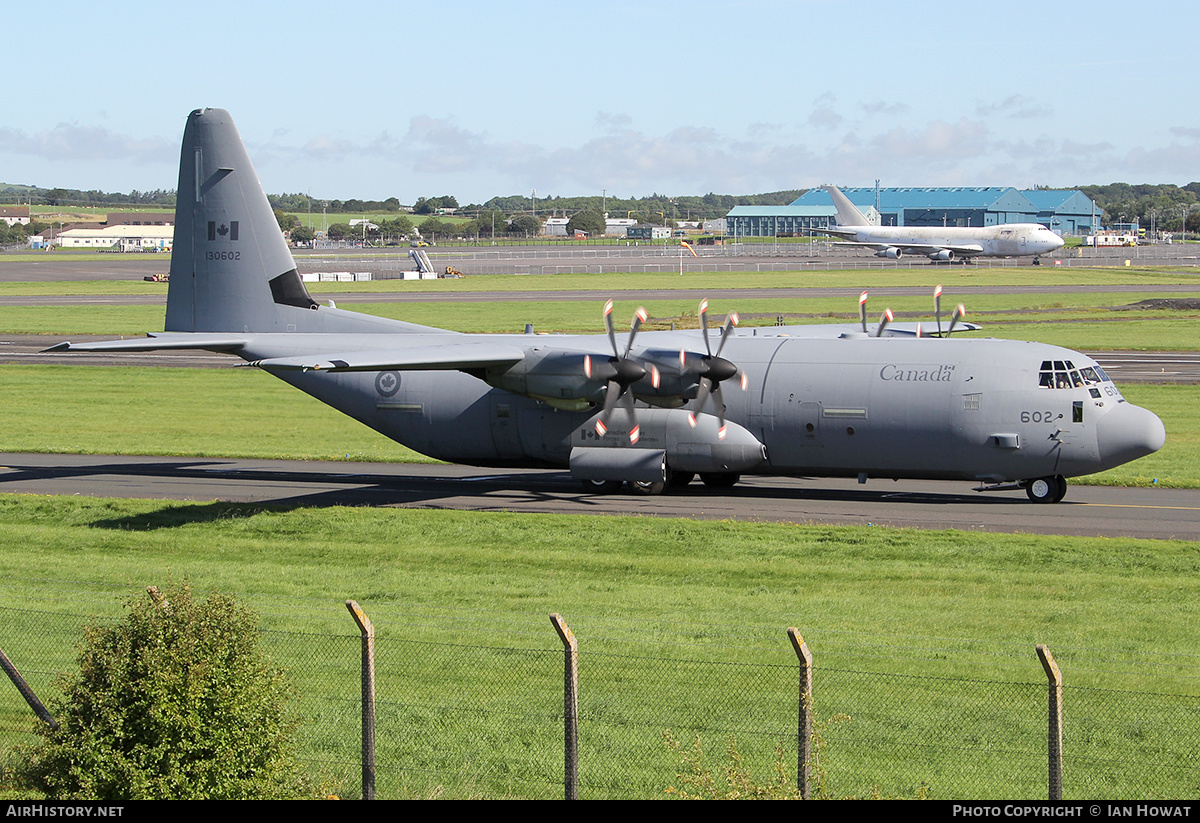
424 358
966 250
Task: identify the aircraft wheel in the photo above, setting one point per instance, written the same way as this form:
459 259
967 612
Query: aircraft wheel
1046 489
1061 492
602 486
719 480
646 487
677 480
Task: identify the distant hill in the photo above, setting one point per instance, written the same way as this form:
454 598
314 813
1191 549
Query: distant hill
650 208
19 194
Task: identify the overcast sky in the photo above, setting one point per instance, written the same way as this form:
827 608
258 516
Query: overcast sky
475 99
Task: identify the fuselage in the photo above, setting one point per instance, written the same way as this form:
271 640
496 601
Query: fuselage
986 410
1006 240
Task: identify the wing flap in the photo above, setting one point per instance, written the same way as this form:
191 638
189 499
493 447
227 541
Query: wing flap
425 358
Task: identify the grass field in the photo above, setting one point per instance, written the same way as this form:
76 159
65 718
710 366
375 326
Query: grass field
1085 322
856 279
681 625
923 639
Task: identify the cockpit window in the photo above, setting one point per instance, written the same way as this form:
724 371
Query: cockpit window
1062 374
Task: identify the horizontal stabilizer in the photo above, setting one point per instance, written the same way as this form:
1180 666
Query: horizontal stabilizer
429 358
206 342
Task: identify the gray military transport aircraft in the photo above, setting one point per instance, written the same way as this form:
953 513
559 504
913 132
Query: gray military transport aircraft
649 410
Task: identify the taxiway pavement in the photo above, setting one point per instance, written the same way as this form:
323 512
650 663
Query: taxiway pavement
1086 511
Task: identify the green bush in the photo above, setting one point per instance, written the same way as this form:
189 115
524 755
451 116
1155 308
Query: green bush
176 701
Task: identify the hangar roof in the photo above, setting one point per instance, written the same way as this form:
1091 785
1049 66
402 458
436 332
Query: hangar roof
1070 201
998 198
794 210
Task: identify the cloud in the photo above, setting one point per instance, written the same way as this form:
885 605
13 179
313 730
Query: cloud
1016 106
443 154
606 121
934 144
68 142
824 117
885 108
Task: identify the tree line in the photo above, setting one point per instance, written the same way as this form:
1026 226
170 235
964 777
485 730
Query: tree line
1166 205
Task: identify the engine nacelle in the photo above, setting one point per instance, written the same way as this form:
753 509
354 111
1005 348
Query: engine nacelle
942 256
891 252
561 378
663 432
556 376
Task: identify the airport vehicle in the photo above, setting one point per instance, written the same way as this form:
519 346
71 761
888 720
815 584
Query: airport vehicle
940 244
649 410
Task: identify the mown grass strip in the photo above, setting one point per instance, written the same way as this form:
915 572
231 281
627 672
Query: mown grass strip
925 639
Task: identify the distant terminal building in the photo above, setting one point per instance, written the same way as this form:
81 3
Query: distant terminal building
1063 211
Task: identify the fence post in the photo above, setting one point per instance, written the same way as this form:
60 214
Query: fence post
26 691
570 708
804 728
368 698
1054 728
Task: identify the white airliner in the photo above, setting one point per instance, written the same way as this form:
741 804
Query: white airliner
940 244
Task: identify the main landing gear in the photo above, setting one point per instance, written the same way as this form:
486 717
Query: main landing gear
1046 489
674 482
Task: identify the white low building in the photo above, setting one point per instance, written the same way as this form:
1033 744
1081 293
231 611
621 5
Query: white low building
118 238
13 215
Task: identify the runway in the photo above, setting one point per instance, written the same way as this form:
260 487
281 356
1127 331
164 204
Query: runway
1087 511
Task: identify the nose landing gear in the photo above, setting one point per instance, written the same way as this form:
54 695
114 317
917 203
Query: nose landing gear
1046 489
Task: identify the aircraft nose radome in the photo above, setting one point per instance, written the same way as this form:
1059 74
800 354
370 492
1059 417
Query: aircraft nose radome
1127 433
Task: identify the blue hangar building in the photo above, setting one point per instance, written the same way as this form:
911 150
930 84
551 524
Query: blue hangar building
1064 211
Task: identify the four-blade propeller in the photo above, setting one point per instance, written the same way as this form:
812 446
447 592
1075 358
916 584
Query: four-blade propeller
620 372
712 368
623 371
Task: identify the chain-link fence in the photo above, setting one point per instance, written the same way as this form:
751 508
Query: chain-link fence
472 705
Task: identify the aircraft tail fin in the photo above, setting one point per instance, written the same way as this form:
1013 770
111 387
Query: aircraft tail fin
847 213
231 270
